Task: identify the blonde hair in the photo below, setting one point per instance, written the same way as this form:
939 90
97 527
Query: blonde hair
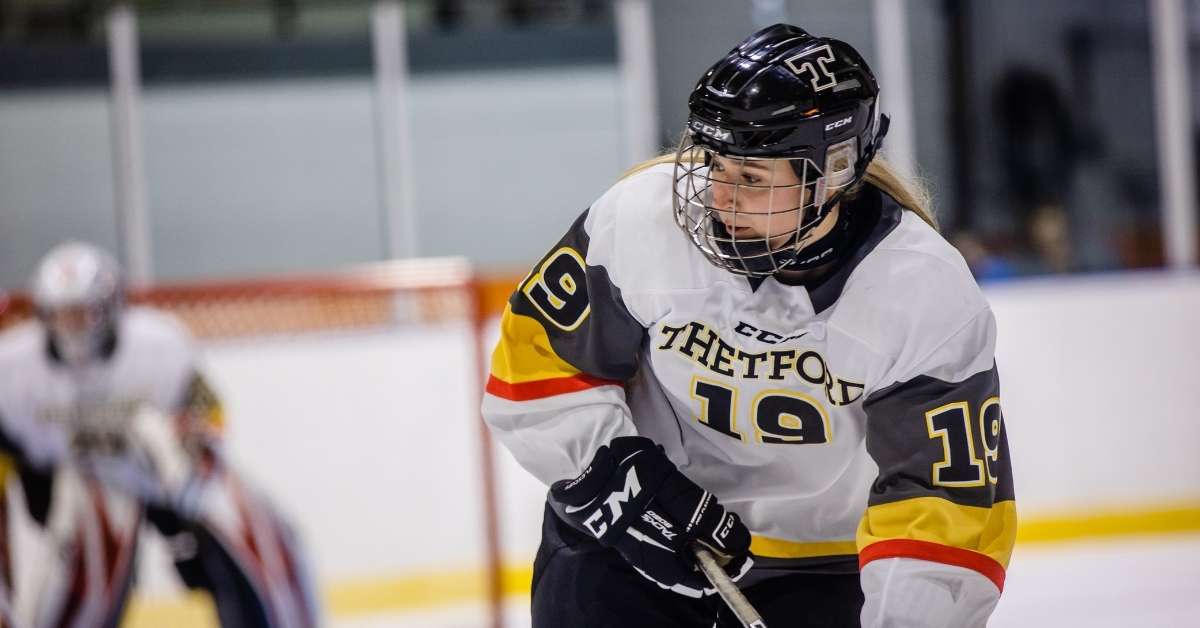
910 193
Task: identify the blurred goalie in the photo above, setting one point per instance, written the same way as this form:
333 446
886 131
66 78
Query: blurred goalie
107 423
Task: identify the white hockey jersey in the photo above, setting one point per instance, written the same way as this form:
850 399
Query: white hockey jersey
852 425
152 366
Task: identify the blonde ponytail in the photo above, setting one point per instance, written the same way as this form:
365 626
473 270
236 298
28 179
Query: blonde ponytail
880 174
910 194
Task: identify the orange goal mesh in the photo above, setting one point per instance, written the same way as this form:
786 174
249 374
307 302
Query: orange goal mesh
394 293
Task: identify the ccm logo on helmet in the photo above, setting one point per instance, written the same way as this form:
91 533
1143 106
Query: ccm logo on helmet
839 123
717 133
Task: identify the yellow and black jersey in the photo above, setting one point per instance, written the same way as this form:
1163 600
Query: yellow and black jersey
852 424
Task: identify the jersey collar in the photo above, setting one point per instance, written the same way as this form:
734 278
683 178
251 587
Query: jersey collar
875 206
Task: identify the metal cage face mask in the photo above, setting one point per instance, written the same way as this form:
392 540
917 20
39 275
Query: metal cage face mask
751 215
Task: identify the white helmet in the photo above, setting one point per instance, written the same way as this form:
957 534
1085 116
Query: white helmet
78 292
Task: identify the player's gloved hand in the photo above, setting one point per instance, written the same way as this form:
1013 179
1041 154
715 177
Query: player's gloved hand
634 500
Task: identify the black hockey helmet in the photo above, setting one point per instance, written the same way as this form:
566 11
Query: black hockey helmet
782 94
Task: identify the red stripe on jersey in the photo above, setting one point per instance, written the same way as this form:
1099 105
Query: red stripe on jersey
526 391
924 550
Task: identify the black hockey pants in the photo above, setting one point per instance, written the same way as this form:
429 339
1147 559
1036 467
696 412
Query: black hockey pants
577 583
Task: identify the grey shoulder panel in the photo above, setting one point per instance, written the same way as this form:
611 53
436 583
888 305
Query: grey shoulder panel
581 309
933 438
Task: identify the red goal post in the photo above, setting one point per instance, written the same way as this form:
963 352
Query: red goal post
377 296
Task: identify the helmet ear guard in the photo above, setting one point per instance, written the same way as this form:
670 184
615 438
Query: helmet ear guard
839 171
840 162
834 166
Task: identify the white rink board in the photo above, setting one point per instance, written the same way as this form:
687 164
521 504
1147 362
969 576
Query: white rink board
366 439
1098 380
369 440
1144 582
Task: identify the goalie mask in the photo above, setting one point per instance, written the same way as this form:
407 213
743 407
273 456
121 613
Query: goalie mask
779 130
78 292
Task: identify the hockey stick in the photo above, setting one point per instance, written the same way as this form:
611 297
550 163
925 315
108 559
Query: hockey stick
727 589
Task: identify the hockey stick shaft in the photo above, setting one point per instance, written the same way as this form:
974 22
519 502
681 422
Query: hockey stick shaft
727 589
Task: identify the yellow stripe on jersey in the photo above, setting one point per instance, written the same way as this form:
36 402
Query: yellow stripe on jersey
768 547
524 353
989 531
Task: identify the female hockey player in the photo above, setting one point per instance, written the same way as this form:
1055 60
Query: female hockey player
109 423
802 381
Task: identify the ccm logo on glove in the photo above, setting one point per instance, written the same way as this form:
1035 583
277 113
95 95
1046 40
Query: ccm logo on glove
595 522
633 500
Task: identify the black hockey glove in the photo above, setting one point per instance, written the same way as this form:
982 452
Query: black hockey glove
634 500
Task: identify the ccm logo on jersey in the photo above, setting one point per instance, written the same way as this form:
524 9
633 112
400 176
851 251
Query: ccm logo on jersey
717 133
769 337
595 522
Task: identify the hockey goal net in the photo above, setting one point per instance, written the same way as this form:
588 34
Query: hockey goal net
290 311
403 292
